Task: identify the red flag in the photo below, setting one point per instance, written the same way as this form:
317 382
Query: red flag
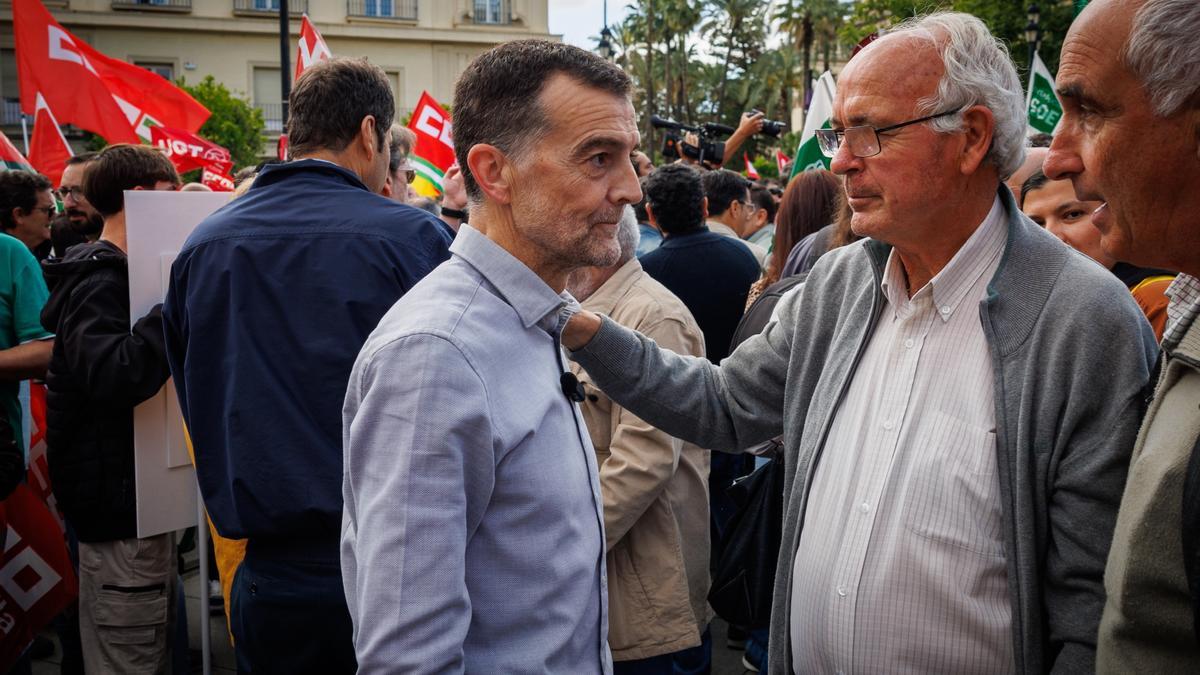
39 580
434 151
114 99
188 151
10 157
783 161
48 149
218 182
751 172
312 47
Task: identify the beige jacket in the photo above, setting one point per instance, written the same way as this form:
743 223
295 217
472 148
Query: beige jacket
655 489
1147 622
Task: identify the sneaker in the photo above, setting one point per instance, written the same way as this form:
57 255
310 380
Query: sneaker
747 665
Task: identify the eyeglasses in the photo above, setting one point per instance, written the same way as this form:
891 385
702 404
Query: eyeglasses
410 175
864 140
71 190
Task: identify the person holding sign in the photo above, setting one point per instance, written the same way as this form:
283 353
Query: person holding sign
99 371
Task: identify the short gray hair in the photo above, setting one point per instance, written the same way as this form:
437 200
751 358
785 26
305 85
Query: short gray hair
978 71
628 235
1164 53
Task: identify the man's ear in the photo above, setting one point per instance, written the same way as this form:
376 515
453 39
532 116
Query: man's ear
650 215
17 216
492 171
704 208
978 128
367 138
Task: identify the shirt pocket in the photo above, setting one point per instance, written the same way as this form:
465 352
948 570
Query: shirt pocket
954 495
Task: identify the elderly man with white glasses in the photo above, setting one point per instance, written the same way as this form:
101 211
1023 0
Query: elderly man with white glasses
958 394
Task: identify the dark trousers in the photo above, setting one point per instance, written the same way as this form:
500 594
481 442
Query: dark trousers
289 615
692 661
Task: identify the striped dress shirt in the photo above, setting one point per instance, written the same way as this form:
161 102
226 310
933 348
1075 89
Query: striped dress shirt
901 564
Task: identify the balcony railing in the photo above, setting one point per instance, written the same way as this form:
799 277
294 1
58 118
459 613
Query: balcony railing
154 5
11 112
402 10
273 116
493 11
268 7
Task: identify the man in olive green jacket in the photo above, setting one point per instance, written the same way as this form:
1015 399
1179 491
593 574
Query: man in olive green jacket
655 487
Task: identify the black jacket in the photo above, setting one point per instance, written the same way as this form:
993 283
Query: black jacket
99 370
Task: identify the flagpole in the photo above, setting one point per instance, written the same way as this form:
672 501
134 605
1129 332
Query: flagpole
25 133
285 70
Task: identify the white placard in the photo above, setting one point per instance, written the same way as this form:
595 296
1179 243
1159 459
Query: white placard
157 224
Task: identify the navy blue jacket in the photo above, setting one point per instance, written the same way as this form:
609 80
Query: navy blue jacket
270 301
712 275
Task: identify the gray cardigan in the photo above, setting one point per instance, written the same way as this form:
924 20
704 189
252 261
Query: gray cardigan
1072 355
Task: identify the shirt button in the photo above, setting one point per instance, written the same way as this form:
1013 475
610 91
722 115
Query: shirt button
945 309
841 591
887 424
909 343
864 507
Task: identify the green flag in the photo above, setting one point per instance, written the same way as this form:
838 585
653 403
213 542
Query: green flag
808 154
1041 102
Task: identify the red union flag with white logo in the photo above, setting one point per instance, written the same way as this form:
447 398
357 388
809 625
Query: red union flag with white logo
434 151
217 181
188 151
37 581
312 47
114 99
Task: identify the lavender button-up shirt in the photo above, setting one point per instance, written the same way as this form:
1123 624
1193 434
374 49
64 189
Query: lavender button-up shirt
472 535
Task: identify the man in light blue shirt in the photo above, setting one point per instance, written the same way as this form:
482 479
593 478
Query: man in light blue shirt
472 536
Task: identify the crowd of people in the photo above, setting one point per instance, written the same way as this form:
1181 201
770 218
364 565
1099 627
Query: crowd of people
497 431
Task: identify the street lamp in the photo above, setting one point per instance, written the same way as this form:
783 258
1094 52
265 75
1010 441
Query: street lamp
1033 32
604 47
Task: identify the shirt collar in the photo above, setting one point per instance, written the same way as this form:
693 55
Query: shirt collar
1184 306
536 303
605 299
722 229
951 284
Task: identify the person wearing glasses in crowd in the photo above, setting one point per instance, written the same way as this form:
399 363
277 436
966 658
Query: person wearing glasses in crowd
955 449
28 208
401 172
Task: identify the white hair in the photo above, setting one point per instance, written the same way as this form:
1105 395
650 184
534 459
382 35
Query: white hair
978 71
628 235
1163 51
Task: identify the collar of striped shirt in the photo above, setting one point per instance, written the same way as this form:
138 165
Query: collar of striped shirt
1184 293
949 286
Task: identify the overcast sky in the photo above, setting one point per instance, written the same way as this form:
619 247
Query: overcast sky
579 20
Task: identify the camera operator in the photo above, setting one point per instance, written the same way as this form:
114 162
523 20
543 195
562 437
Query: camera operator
751 123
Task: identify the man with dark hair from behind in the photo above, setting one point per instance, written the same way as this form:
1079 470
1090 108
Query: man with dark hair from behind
270 300
473 533
730 210
712 275
100 370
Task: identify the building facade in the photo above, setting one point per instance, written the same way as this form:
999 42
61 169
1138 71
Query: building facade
422 45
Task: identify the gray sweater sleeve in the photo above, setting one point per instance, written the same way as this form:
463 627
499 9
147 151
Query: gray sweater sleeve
728 407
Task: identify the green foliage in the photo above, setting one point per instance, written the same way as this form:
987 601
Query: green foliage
234 124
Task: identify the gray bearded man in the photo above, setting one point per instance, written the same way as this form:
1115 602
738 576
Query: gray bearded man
472 537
